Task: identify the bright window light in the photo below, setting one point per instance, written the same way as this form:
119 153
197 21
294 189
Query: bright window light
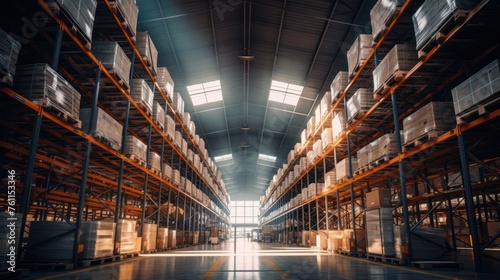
205 93
223 157
267 158
285 93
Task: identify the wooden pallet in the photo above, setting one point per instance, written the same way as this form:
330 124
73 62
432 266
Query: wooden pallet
121 81
67 18
129 255
380 161
393 79
377 36
478 110
97 261
436 264
384 259
117 10
361 170
138 160
60 113
456 19
341 180
155 171
430 135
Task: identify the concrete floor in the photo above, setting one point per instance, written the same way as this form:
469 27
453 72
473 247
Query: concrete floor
252 261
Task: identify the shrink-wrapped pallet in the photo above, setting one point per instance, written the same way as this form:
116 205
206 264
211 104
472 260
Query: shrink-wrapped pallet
176 176
305 193
330 178
167 171
481 86
98 238
426 243
327 138
9 52
291 155
184 147
429 121
381 15
296 170
400 59
154 161
186 118
342 168
113 58
311 127
338 85
379 232
303 138
358 52
43 86
81 13
169 127
129 11
135 149
317 116
126 236
143 95
432 14
303 164
165 81
326 103
172 238
147 49
10 236
162 238
380 149
361 101
149 236
178 103
317 148
51 241
190 155
338 123
159 115
192 128
178 139
107 129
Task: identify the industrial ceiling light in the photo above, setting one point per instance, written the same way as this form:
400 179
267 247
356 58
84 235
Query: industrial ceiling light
245 128
245 145
246 57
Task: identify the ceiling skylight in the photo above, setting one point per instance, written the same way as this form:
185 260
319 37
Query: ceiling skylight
205 93
267 157
224 160
285 93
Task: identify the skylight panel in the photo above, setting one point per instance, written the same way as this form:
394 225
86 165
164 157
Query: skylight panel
285 93
205 93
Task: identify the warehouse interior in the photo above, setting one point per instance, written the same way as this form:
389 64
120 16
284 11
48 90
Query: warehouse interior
252 139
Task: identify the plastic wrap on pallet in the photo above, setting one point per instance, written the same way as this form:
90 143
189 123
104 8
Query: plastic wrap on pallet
165 81
481 86
317 148
379 231
384 146
176 176
327 138
303 164
184 147
107 128
167 171
402 57
170 127
317 116
381 15
436 117
81 13
342 168
159 114
142 94
7 231
113 58
361 101
178 139
291 155
426 243
186 118
149 236
330 178
196 161
359 51
311 126
338 85
178 103
98 238
192 128
432 14
303 138
326 103
42 85
338 123
154 161
147 49
50 241
130 12
162 238
9 52
190 155
136 148
126 236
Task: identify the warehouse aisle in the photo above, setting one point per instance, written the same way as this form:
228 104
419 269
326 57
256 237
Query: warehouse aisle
252 261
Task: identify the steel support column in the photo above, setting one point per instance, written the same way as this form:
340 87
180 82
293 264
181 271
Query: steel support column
146 182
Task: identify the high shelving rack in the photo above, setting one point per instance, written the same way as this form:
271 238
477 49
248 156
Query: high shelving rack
70 175
469 44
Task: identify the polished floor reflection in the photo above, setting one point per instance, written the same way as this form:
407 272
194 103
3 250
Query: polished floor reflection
251 260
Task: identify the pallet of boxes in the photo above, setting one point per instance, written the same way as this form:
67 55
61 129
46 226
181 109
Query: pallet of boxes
379 225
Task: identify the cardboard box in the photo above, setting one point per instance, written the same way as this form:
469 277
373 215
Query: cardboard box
378 198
